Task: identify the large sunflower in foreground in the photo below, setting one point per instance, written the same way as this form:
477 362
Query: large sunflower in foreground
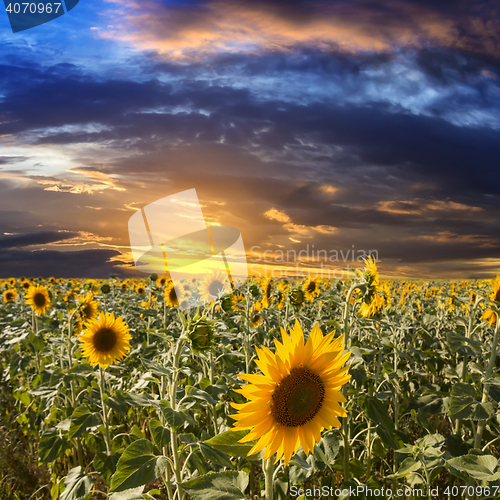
297 396
490 316
105 340
38 298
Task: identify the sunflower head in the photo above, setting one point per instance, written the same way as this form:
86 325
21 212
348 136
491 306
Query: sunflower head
213 285
140 289
105 288
174 295
88 307
296 396
311 288
297 297
38 298
373 308
495 290
200 333
255 315
25 284
369 277
226 303
105 340
10 295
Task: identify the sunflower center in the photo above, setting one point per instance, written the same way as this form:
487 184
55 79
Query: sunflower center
298 398
39 299
311 287
172 295
87 311
9 295
215 287
497 296
104 339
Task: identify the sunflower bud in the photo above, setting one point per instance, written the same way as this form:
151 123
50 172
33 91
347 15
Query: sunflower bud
105 288
296 296
200 334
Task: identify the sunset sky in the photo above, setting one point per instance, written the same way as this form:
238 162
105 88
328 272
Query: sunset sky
343 124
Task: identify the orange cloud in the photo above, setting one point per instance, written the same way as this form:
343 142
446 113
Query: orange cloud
182 32
419 206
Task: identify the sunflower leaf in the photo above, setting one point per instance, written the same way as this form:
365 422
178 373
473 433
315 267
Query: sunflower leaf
81 419
78 485
161 435
137 466
229 485
228 442
174 418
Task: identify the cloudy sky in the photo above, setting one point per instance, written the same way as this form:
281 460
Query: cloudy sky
370 125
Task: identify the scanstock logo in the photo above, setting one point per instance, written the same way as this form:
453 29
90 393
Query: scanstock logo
24 15
170 236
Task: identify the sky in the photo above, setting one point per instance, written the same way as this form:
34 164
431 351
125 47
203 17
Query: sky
310 126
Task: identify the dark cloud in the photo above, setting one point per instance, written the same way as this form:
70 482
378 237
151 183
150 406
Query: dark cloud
46 263
38 238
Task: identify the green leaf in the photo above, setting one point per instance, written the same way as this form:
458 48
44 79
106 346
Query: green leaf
229 485
51 446
199 394
330 445
137 466
479 467
81 419
131 494
156 368
215 456
174 418
105 464
228 443
142 399
377 412
161 435
78 485
484 411
463 399
408 466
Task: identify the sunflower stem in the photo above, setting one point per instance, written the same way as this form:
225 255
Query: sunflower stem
486 385
104 414
173 404
268 466
214 409
345 389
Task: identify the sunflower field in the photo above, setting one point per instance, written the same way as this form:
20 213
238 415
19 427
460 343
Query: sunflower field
285 389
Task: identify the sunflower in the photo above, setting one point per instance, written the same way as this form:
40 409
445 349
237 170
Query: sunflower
173 294
372 308
105 340
255 314
370 277
267 289
489 315
297 396
140 289
9 295
25 284
88 307
311 288
297 296
212 286
38 298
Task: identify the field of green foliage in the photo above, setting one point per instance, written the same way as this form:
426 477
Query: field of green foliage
153 419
